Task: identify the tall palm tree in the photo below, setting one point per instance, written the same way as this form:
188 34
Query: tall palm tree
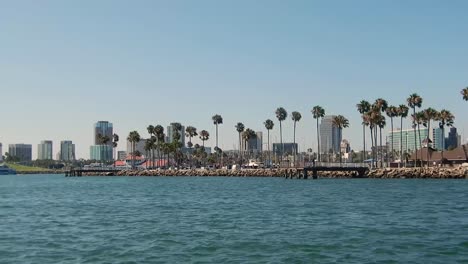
418 120
133 138
204 136
413 101
381 123
151 132
148 147
296 117
391 111
190 132
402 112
464 93
246 136
363 107
380 105
318 112
281 114
445 118
240 128
429 115
269 126
340 122
217 120
115 141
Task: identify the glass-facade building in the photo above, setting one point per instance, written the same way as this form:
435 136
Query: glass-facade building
408 137
67 150
170 132
330 136
44 150
21 151
289 148
101 152
103 128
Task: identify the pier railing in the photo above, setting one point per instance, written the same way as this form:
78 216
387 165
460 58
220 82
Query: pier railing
335 165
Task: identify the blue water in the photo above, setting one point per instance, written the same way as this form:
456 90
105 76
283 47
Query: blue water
53 219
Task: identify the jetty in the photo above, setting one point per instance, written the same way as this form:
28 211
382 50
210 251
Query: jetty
78 172
357 170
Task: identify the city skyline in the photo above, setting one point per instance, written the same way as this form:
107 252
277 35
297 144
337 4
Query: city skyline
163 62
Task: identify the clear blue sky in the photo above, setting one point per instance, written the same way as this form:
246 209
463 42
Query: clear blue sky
66 64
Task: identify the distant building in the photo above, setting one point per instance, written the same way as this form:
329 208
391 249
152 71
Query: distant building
44 150
453 139
254 145
409 137
67 150
121 155
103 128
330 136
1 152
345 146
170 133
289 148
21 151
101 152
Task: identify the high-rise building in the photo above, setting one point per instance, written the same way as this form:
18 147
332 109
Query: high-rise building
67 150
103 128
170 133
345 146
452 141
330 136
409 138
21 151
1 152
44 150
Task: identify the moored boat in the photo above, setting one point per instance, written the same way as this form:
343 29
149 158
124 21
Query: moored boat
5 170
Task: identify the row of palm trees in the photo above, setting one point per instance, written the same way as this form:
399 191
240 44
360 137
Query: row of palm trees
373 117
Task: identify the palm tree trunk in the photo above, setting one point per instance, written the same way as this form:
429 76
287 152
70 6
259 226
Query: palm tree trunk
340 148
281 140
318 140
269 153
376 153
381 152
372 147
442 151
216 134
428 129
364 142
240 150
420 146
415 142
294 145
391 153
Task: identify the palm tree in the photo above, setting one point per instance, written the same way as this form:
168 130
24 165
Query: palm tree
159 134
115 140
464 93
445 118
391 111
381 123
269 126
418 120
240 128
151 132
413 101
217 120
402 112
204 136
190 132
318 112
340 122
363 107
148 147
296 117
281 114
133 138
246 136
429 114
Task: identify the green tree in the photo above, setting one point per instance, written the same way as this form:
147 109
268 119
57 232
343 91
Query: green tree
464 93
340 122
281 114
133 138
392 111
269 126
240 128
402 112
413 101
363 107
296 117
445 118
318 112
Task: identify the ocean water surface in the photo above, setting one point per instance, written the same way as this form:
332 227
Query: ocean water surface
53 219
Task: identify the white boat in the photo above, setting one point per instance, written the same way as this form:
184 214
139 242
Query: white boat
5 170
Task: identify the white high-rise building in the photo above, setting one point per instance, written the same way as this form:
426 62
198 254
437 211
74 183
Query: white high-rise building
44 150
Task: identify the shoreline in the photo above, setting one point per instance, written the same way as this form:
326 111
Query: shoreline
385 173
